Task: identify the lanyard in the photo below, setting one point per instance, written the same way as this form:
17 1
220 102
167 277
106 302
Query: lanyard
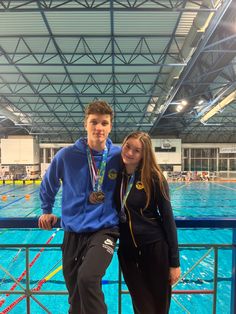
124 193
97 174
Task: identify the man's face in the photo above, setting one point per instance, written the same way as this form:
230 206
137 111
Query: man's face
98 127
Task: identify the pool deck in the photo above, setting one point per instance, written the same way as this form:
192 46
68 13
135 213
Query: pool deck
38 181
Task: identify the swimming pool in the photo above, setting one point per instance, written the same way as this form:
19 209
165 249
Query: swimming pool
194 199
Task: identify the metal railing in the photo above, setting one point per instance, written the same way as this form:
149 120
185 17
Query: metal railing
182 222
210 248
26 292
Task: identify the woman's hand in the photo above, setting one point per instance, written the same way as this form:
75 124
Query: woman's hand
174 274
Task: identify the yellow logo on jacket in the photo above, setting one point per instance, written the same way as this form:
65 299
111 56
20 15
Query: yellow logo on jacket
112 174
139 185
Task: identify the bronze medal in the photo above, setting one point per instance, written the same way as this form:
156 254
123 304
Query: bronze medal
100 196
92 198
96 197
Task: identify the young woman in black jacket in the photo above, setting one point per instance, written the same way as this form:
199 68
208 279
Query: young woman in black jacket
148 251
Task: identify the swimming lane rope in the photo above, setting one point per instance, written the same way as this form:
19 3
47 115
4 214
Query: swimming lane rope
11 263
2 301
39 286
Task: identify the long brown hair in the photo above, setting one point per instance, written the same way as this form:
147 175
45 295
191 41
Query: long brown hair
148 165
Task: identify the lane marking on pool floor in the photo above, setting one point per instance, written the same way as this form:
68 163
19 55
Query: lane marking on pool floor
226 187
182 186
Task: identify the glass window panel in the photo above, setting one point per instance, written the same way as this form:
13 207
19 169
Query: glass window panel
232 164
186 165
48 155
224 155
192 164
197 152
198 165
227 155
206 152
205 164
185 153
213 152
41 155
212 165
222 164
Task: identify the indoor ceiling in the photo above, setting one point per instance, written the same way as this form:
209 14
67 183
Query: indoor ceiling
143 57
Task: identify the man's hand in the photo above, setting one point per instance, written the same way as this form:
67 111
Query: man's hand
174 274
47 221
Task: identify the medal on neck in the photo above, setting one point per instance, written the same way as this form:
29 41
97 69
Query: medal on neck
97 176
124 193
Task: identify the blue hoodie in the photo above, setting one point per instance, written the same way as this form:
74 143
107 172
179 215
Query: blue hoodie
70 168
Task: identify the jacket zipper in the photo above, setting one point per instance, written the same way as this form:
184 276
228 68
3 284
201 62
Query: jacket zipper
130 227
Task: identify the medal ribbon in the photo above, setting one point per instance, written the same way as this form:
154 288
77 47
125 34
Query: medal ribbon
124 193
97 174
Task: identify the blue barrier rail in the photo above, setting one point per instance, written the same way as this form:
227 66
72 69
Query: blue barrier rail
181 222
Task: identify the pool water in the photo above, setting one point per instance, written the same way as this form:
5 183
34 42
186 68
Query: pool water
194 199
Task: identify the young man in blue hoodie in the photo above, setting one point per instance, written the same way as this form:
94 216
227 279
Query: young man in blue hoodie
87 172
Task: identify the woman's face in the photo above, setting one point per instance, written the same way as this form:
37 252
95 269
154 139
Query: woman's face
132 152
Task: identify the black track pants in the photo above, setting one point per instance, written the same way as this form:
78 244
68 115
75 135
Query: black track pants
86 257
146 273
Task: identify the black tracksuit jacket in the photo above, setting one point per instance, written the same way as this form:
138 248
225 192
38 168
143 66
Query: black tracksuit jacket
151 224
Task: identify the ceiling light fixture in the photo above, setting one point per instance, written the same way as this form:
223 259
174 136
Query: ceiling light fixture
152 105
184 102
200 102
181 104
144 124
211 124
179 108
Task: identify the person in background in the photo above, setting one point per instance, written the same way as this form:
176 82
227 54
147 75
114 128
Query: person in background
87 171
148 249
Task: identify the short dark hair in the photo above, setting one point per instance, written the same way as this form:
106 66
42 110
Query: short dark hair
98 107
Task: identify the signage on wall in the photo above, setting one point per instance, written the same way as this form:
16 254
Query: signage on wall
228 150
165 144
165 150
